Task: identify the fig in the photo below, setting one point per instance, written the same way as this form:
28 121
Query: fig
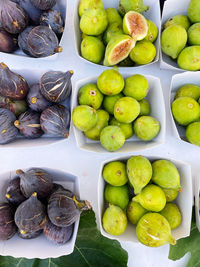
194 11
114 220
185 110
181 20
135 5
189 58
112 30
143 53
25 235
193 133
115 174
35 180
30 215
173 40
152 32
193 34
12 84
139 172
135 25
166 175
118 49
90 95
84 117
136 86
117 195
153 230
43 42
112 138
55 121
92 49
84 5
8 43
58 235
13 192
109 102
16 106
146 128
36 100
33 13
28 124
8 132
134 212
126 109
7 223
64 208
22 40
113 16
110 82
171 194
94 21
43 4
54 20
145 108
190 90
126 128
172 213
56 85
13 18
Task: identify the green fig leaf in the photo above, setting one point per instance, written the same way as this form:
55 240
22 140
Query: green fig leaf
91 249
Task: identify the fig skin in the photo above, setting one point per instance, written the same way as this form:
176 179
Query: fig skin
13 192
8 43
22 40
31 235
53 19
15 106
7 224
135 5
8 132
43 4
33 13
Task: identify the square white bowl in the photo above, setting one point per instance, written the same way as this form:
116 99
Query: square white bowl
153 14
133 144
39 247
196 203
184 201
61 6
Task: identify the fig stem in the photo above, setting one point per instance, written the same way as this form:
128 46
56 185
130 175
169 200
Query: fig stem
3 65
8 196
16 123
58 49
84 205
19 172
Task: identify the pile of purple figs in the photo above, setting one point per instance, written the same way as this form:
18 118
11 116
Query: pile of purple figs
35 204
31 111
34 26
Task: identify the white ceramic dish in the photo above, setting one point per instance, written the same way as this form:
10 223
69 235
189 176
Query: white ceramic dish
196 199
153 14
39 247
184 201
155 97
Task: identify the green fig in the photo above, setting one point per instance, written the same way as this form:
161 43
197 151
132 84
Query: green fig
190 90
139 172
193 133
194 11
152 31
135 5
189 58
145 108
134 212
143 53
90 95
115 174
172 213
84 5
113 29
117 195
109 102
113 16
126 128
153 230
193 34
181 20
171 194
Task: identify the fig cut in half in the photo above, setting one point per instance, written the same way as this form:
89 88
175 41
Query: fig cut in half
135 25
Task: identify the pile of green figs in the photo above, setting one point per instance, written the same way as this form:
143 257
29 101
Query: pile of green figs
31 110
186 111
34 204
142 193
121 37
113 110
180 38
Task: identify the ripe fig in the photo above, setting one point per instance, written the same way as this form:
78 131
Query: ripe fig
134 212
7 223
145 108
33 13
135 25
126 128
135 5
117 195
43 42
84 5
43 4
12 84
112 30
193 34
30 215
193 11
109 102
22 40
115 174
14 18
26 235
54 20
143 53
8 43
181 20
8 132
90 95
171 194
35 180
113 16
13 192
28 124
64 208
173 215
16 106
189 90
56 85
189 58
152 31
55 120
192 133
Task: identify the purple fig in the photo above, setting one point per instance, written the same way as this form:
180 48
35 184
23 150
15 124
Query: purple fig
7 223
22 40
43 4
26 235
16 106
8 43
28 124
53 19
13 192
55 120
8 132
33 13
14 18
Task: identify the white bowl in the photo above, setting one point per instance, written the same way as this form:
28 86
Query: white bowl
184 201
153 14
196 199
39 247
155 97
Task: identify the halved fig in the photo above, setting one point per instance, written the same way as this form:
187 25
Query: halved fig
135 25
118 49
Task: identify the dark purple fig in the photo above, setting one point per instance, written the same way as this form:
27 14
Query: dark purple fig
16 106
35 180
33 13
13 192
43 42
43 4
30 215
58 235
64 208
25 235
36 100
14 18
8 43
22 40
8 132
7 223
28 124
12 84
55 121
53 19
56 86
